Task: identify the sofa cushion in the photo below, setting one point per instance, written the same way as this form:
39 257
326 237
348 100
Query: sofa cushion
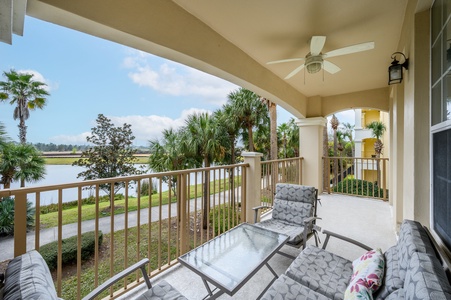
162 291
286 288
426 279
294 232
28 277
412 238
391 280
370 268
321 271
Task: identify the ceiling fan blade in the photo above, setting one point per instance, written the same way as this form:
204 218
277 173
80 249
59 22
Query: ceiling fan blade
295 71
317 44
330 67
350 49
284 60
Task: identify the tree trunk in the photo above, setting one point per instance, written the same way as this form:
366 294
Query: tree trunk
206 197
273 133
251 139
326 167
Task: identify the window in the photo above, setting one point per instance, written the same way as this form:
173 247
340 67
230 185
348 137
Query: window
441 118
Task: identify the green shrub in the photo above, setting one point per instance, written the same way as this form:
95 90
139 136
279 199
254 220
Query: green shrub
69 249
145 187
45 209
7 216
359 187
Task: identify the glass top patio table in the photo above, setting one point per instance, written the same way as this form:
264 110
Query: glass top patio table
232 258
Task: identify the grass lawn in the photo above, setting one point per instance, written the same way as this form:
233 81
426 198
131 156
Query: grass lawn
70 160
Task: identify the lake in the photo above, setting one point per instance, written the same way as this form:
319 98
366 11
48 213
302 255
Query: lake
59 174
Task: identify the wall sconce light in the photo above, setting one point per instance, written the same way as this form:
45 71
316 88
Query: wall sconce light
395 70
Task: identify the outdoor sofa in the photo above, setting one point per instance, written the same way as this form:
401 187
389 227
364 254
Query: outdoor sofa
28 277
411 269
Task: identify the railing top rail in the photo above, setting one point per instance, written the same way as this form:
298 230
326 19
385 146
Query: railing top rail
10 192
283 159
351 157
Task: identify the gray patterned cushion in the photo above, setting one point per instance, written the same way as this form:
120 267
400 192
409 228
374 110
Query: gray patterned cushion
425 279
321 271
412 238
397 295
28 277
293 203
285 288
294 232
162 291
391 280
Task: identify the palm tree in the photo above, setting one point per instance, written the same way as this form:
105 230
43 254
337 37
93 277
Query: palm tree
250 113
205 139
168 155
283 132
293 139
21 162
377 130
348 129
334 124
3 137
272 108
21 90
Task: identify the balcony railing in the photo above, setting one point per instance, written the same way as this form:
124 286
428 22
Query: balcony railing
358 176
178 213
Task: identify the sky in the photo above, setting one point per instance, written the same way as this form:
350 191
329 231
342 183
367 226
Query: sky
87 76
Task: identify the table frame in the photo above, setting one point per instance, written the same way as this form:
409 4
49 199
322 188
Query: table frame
220 289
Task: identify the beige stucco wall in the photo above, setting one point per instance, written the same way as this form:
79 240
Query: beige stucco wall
414 43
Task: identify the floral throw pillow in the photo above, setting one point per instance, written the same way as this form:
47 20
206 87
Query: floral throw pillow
368 271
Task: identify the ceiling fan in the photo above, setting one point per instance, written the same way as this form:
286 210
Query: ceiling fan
314 61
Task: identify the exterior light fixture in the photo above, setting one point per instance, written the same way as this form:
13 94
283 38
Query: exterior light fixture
395 70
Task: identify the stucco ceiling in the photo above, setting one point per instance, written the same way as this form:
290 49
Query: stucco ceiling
234 39
271 30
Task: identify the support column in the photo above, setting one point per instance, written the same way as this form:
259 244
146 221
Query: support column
311 149
253 183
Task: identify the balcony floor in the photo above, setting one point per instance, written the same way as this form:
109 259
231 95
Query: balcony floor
366 220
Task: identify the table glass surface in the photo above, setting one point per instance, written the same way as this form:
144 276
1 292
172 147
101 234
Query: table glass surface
230 258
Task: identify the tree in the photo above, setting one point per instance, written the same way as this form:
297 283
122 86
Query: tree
250 113
111 156
377 130
167 155
348 130
205 140
272 108
334 124
283 130
20 162
21 90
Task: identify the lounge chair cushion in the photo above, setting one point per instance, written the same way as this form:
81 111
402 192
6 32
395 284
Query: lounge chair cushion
162 291
293 203
392 280
286 288
322 271
426 279
294 232
28 277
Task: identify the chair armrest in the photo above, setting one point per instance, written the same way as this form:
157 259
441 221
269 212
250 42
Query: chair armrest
344 238
256 211
139 265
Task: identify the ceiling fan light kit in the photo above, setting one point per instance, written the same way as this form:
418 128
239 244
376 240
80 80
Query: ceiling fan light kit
314 61
313 64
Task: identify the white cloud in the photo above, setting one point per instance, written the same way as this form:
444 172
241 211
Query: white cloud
176 79
144 128
79 139
39 77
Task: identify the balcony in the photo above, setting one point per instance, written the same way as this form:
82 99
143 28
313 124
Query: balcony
184 213
364 219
